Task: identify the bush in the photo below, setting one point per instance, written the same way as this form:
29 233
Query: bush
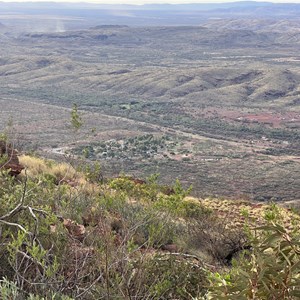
269 271
129 240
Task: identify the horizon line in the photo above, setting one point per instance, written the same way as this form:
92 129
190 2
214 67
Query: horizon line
151 2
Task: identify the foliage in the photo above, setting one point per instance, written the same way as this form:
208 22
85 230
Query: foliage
76 120
270 270
8 290
117 249
68 234
175 276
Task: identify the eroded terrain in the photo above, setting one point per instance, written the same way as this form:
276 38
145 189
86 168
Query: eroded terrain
215 105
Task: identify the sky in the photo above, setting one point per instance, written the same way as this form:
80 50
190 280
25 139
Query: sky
148 1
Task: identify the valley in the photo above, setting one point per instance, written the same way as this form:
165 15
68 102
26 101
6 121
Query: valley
215 105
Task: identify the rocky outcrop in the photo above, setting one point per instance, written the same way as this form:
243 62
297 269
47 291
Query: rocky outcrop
9 159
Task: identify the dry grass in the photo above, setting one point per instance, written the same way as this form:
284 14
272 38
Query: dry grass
61 171
238 213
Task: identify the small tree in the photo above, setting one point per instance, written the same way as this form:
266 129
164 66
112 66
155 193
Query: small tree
76 120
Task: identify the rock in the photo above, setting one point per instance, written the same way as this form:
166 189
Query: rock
170 248
9 159
77 231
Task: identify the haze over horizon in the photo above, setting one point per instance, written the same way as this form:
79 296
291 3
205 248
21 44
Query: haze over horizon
141 2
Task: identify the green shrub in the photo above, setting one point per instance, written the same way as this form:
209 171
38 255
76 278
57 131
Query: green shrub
269 271
8 290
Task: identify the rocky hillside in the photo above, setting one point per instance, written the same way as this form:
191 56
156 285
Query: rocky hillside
164 63
80 235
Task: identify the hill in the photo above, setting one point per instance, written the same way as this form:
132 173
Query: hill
159 151
79 235
221 104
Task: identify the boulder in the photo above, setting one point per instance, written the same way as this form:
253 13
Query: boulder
9 159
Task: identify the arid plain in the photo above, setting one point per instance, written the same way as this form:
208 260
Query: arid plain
215 104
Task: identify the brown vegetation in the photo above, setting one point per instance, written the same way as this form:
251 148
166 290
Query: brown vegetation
9 159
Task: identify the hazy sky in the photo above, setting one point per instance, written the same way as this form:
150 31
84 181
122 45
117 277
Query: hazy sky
146 1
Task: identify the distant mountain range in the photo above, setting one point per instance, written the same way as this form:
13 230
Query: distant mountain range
240 5
30 16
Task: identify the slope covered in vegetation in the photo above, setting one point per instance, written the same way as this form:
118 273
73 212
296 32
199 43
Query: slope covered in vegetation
68 233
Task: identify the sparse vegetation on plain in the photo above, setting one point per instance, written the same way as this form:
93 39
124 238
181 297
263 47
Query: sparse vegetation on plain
235 117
